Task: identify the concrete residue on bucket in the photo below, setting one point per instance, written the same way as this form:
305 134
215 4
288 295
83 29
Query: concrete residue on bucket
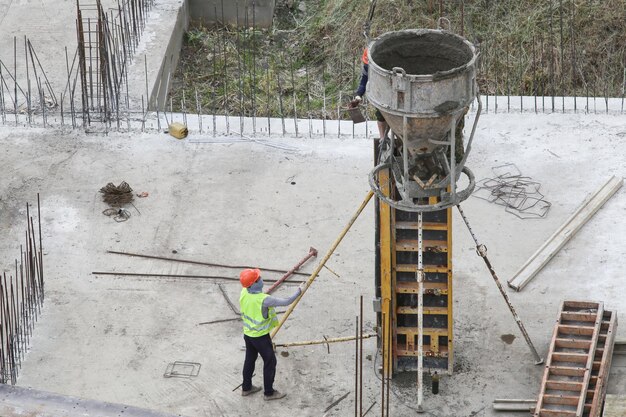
421 52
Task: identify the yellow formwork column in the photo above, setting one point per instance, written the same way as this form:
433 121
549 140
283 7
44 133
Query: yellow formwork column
386 261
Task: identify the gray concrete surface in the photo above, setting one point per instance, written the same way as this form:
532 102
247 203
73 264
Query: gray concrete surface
18 401
615 406
259 13
111 338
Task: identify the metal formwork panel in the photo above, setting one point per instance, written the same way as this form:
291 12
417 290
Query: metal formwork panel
398 288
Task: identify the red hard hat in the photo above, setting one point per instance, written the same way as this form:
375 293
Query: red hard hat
247 277
364 58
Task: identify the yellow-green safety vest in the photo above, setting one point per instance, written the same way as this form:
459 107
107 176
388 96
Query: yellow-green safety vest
254 324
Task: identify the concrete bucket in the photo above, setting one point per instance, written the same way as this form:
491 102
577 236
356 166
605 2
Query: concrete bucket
423 82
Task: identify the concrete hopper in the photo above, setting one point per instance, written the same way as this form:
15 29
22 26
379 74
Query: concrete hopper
423 82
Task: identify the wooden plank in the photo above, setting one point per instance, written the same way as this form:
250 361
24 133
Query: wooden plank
412 287
427 268
427 310
586 317
505 404
570 357
410 245
564 386
425 226
557 413
561 399
579 305
605 369
546 372
573 343
428 331
554 243
577 330
594 338
429 351
567 371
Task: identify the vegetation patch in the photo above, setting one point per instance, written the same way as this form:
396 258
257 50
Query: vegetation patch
308 63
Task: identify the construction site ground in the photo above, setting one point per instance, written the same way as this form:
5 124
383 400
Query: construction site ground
111 338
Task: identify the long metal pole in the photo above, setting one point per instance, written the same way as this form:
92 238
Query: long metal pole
382 380
420 314
324 341
356 369
481 250
361 357
15 77
311 254
319 267
137 274
41 283
389 363
188 261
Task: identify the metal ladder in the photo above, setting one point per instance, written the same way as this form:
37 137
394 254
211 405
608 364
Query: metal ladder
567 380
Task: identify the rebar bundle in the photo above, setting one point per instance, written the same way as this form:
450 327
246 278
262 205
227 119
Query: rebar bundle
106 44
518 194
117 195
21 299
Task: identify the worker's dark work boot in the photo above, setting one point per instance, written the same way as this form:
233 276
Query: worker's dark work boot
276 395
250 391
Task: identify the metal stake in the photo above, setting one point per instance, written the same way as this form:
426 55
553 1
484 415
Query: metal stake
481 250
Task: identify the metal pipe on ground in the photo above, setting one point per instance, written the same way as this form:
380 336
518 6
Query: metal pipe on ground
188 261
230 319
227 298
325 341
136 274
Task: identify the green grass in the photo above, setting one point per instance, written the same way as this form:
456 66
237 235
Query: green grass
309 62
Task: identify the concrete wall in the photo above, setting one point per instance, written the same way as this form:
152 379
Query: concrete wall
260 13
163 78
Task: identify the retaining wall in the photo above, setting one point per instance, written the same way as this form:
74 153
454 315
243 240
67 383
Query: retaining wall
258 13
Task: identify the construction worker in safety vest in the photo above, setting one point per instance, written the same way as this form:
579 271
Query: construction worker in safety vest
259 318
358 95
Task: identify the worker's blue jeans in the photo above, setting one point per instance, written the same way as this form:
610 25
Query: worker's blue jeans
256 346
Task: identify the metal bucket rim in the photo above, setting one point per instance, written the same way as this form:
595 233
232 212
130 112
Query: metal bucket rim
439 75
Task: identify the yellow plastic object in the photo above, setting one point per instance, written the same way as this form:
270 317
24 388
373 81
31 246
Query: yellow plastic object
178 130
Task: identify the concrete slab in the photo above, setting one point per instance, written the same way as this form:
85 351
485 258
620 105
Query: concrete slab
17 401
615 406
111 338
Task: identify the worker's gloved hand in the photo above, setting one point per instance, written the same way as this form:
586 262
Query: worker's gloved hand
354 103
302 287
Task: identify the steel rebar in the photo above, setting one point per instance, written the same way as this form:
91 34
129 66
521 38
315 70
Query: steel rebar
201 263
312 253
138 274
481 250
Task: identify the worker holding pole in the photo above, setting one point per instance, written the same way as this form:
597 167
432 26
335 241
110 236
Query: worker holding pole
259 318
